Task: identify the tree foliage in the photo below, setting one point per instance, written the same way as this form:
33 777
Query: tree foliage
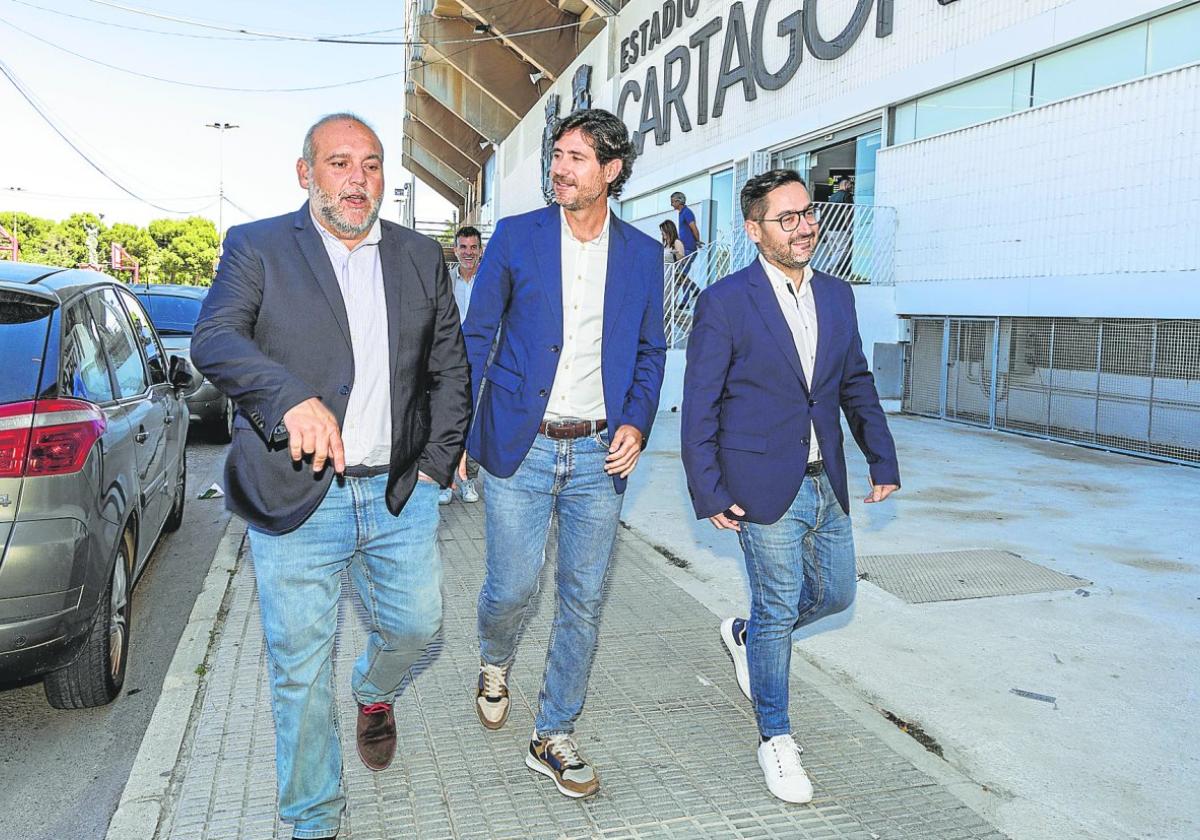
180 251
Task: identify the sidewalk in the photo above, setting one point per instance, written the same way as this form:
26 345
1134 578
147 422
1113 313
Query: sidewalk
1116 755
665 725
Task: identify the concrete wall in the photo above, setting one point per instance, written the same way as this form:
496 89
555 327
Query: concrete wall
1085 207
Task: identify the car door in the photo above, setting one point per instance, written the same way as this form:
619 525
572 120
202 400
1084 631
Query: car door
144 411
165 395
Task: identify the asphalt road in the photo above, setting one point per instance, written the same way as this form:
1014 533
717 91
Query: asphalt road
62 772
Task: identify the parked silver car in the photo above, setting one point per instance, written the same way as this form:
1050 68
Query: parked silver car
92 431
174 311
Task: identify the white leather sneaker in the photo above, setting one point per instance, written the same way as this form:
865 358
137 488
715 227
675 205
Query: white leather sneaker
731 635
469 493
779 759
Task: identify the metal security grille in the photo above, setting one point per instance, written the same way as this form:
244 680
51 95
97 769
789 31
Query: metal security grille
1125 384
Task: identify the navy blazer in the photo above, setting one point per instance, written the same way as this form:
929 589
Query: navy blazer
747 404
518 294
273 332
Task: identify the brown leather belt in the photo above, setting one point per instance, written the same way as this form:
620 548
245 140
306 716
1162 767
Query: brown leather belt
571 429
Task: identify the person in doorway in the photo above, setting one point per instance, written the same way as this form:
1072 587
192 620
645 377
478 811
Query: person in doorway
837 227
677 294
468 251
774 354
568 399
337 336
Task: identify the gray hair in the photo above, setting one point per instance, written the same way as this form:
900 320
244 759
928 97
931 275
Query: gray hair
309 152
680 197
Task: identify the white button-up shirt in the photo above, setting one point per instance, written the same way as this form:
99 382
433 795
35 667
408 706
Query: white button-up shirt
462 291
800 312
578 389
367 430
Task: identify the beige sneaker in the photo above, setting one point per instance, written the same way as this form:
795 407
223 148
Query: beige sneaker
491 696
557 757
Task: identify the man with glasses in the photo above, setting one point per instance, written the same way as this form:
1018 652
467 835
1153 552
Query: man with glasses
774 353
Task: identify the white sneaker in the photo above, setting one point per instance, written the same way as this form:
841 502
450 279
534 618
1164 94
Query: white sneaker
779 759
731 635
469 493
446 496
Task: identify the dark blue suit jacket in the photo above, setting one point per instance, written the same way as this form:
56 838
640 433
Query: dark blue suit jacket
273 332
518 294
747 404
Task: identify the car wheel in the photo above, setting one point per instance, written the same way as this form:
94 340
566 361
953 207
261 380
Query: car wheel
97 674
175 517
222 427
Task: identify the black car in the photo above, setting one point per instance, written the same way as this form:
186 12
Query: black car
174 310
93 425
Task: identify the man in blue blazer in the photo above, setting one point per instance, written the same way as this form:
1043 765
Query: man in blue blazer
569 394
773 355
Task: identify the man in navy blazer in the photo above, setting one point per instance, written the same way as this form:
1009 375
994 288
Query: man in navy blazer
337 335
773 356
569 393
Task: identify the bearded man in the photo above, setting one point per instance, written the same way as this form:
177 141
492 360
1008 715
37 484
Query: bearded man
337 336
569 395
774 358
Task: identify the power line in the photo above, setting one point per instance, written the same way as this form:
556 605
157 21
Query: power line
338 39
182 34
152 77
33 102
42 195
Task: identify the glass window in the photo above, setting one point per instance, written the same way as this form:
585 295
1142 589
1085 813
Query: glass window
1174 39
24 323
866 148
156 359
172 314
904 123
722 197
967 104
84 371
1098 63
119 343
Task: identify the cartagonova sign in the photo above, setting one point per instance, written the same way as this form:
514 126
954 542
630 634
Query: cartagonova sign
742 59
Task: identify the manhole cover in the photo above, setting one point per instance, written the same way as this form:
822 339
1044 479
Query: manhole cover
954 575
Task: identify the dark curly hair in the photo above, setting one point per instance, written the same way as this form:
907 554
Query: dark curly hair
608 136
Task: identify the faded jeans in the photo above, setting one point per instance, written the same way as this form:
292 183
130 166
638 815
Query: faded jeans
396 570
566 476
801 568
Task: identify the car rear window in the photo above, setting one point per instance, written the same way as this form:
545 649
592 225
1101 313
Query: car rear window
24 325
171 315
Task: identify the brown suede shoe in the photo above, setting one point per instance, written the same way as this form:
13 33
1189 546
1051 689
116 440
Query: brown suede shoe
376 735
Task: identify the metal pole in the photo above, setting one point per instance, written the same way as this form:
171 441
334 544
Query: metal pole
221 128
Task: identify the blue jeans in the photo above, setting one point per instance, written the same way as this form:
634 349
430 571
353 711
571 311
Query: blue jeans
397 572
801 568
567 476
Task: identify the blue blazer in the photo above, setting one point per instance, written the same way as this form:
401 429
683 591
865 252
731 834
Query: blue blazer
747 404
518 294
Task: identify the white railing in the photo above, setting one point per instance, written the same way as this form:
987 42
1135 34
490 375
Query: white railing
857 244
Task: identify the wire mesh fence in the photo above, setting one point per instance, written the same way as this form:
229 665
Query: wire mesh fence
1125 384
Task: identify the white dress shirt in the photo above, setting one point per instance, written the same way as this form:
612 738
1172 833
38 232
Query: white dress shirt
367 430
462 291
800 312
578 389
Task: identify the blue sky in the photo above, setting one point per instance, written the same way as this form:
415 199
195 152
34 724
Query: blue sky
151 136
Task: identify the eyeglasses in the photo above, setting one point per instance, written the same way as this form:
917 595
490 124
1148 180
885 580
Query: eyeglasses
790 220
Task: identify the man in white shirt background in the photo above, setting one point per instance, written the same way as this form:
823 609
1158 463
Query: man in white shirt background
468 250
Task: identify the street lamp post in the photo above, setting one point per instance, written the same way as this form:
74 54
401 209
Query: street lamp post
221 127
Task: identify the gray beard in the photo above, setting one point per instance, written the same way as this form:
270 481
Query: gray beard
327 209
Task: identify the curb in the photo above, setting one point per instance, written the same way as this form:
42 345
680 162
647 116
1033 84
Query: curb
138 814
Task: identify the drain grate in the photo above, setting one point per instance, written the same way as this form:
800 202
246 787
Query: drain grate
955 575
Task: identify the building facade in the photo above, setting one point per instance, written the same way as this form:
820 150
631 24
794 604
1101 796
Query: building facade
1025 229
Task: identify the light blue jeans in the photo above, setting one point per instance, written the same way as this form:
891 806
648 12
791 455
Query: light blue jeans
566 476
397 572
801 568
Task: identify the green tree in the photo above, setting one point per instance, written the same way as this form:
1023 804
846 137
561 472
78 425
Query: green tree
192 250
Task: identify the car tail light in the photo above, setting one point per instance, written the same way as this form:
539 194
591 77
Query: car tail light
47 437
